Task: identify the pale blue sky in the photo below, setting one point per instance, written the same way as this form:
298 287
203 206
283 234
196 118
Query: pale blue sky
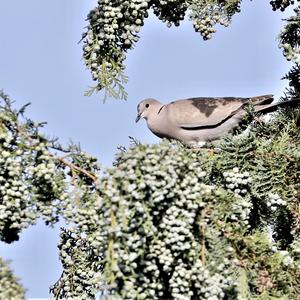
40 62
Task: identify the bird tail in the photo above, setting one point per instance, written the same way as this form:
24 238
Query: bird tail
261 100
265 108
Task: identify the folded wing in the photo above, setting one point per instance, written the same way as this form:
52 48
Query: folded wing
203 112
195 113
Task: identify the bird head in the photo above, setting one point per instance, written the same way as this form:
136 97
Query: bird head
147 107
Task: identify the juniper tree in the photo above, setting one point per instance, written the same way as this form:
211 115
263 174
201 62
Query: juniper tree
9 285
165 222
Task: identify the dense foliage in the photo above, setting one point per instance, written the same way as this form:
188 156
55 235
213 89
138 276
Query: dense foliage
168 222
171 223
114 25
10 288
290 37
34 180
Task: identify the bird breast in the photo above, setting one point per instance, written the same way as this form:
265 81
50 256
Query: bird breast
161 127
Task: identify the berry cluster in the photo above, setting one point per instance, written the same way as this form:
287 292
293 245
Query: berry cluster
81 278
274 201
10 287
113 29
289 37
14 192
170 11
148 209
210 285
31 183
281 4
237 182
114 26
34 181
205 16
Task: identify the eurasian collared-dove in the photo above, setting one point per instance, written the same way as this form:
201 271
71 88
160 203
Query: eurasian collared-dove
196 121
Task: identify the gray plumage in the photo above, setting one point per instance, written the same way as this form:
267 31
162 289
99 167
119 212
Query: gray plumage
196 121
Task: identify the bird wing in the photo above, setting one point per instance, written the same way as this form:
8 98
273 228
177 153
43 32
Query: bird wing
204 112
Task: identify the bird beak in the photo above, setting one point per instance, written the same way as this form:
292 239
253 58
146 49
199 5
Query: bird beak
137 118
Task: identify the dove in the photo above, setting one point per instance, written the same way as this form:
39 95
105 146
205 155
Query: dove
196 121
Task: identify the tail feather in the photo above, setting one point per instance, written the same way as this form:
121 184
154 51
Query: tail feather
272 107
261 100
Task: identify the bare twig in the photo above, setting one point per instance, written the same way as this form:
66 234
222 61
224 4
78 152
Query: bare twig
74 167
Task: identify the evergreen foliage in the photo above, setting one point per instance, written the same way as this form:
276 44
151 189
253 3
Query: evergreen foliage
166 222
290 37
180 224
114 25
10 288
34 180
281 4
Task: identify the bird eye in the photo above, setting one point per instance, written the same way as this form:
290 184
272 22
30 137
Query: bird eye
147 105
